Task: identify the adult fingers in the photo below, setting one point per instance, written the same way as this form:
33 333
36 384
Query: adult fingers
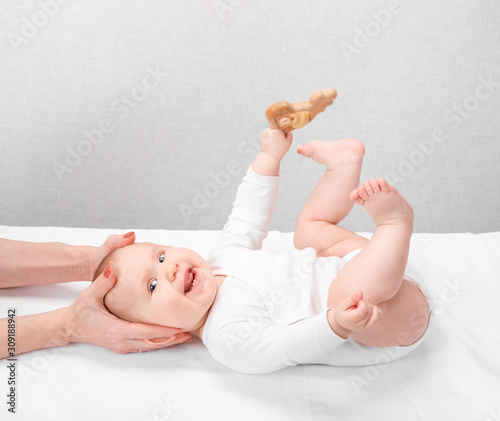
148 331
139 345
116 241
100 287
159 343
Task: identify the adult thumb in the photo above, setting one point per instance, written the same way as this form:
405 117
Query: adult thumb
104 282
117 241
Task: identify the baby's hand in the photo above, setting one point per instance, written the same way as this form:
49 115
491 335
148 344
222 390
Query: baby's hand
275 143
353 314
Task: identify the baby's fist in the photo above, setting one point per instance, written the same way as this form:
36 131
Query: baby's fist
355 314
275 143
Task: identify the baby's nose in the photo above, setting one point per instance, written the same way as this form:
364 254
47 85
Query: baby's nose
175 269
171 271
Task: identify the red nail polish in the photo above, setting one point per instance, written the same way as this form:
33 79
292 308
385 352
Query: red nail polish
128 234
107 272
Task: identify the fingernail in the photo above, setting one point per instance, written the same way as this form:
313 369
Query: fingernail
128 234
107 272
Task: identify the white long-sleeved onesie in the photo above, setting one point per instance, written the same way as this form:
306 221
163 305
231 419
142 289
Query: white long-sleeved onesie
270 312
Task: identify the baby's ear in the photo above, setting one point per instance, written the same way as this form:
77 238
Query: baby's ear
159 341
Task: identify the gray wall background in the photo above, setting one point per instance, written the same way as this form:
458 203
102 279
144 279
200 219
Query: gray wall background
172 96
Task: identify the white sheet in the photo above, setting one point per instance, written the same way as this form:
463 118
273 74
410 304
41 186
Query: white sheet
453 375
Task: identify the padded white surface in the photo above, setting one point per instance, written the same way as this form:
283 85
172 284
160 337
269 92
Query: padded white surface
454 375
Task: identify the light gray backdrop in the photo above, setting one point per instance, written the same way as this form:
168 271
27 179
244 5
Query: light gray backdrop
146 114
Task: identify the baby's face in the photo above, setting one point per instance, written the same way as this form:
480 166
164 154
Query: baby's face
163 285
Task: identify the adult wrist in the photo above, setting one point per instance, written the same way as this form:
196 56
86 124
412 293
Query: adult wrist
67 330
91 259
79 262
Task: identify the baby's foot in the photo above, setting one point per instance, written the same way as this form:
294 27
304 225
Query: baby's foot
383 202
332 153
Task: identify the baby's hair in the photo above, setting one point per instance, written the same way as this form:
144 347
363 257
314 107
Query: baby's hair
115 307
110 259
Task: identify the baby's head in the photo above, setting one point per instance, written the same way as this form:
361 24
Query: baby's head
162 285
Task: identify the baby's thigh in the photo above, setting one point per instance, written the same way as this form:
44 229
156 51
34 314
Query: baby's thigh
405 319
346 245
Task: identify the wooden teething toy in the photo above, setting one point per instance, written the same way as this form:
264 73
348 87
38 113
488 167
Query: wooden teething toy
300 113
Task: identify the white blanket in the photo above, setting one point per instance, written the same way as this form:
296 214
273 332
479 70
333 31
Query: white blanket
453 375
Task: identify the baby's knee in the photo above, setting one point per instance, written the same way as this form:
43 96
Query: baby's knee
375 295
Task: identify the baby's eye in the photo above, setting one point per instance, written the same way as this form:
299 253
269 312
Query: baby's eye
152 285
161 257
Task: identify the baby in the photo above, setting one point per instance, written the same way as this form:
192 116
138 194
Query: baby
335 298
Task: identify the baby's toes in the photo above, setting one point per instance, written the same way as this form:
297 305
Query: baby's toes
304 150
367 187
374 185
384 185
354 196
362 193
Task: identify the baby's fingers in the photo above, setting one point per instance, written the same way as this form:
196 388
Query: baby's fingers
350 301
366 315
376 317
363 310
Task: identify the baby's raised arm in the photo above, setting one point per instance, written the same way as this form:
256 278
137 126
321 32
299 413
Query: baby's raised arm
247 226
274 145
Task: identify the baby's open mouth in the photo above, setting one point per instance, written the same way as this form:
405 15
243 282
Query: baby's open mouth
189 280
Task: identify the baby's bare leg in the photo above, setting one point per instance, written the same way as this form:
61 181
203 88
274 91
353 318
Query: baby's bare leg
329 202
378 269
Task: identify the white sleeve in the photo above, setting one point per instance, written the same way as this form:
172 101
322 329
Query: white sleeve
252 348
253 207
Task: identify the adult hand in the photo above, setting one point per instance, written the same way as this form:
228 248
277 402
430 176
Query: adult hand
88 321
113 242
